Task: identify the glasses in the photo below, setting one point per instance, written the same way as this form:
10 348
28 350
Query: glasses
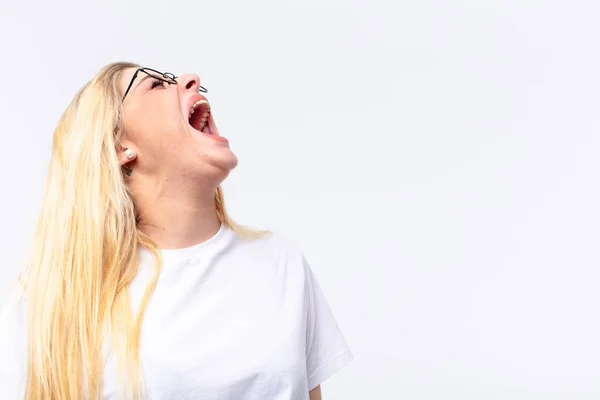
165 77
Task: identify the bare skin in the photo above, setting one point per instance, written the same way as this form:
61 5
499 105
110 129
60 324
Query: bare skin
175 168
315 394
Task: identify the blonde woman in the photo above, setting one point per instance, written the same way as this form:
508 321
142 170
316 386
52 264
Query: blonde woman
138 284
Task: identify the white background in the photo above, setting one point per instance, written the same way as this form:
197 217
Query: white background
436 160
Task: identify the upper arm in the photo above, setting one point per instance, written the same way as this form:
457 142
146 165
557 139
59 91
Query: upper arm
326 348
315 394
12 347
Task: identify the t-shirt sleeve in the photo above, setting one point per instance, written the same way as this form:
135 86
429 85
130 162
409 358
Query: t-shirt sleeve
12 347
326 349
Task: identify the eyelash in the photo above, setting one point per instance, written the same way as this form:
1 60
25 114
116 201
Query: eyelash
156 83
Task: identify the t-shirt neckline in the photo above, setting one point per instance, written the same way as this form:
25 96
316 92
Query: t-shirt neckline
208 247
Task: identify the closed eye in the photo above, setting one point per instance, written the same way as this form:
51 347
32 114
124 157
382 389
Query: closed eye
157 83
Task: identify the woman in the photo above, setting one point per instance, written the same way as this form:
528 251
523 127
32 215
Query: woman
139 285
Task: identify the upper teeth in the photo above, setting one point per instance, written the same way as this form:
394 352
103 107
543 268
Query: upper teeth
202 105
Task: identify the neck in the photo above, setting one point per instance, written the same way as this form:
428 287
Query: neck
177 218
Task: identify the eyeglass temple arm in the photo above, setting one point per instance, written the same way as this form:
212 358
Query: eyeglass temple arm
131 83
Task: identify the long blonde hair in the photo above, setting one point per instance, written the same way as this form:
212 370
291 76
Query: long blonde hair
84 254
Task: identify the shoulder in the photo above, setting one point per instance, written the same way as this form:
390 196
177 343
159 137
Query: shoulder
14 304
12 336
12 314
271 244
271 250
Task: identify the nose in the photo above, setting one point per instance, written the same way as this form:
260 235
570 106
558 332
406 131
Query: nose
189 82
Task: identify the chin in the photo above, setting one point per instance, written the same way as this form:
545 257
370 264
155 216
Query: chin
224 161
232 161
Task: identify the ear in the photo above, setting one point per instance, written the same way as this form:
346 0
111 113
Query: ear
126 155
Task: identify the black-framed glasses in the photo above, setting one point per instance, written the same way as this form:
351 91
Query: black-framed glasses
161 76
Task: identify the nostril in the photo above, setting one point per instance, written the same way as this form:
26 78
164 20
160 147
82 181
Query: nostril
190 84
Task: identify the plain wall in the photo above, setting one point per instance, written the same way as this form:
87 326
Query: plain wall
436 160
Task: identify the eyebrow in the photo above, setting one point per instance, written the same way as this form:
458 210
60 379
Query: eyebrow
140 80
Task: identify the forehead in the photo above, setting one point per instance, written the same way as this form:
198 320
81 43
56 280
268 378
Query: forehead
125 78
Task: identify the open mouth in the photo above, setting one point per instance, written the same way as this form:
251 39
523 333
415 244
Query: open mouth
199 116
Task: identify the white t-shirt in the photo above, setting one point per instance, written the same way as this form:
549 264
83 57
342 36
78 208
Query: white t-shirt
230 319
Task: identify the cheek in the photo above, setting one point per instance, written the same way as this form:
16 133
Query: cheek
155 128
160 118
